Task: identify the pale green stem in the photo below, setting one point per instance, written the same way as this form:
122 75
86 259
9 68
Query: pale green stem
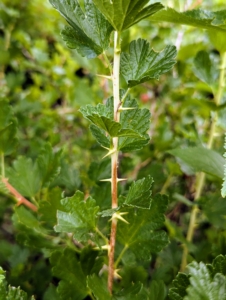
3 165
108 62
166 184
120 256
124 96
202 176
101 235
114 158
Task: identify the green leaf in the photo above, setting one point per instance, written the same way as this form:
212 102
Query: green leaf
10 292
139 194
25 217
48 207
219 265
203 282
98 286
180 284
214 207
78 217
2 274
134 291
143 63
67 268
68 178
197 18
143 229
157 290
204 69
25 176
8 129
201 159
29 177
90 261
89 33
123 14
203 286
100 136
223 190
49 164
100 116
135 119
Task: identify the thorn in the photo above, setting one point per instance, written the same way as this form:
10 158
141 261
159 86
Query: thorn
104 76
126 108
110 179
105 247
110 152
105 147
118 215
121 179
116 275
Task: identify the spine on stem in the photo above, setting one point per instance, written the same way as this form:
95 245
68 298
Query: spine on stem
114 158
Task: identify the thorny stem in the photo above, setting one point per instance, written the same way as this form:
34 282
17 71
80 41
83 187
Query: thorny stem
202 176
20 199
114 159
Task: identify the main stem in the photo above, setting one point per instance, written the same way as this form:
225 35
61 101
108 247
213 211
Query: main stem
202 176
114 159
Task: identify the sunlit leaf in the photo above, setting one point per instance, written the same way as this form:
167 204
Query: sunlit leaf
89 33
143 63
123 14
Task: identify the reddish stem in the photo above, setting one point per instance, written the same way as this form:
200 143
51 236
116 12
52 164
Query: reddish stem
20 199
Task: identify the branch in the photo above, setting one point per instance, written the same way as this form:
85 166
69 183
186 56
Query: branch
20 199
114 160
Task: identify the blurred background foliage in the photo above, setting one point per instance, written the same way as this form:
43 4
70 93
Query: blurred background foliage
46 83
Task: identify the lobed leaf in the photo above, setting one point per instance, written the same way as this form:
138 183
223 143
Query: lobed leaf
201 282
139 194
157 290
180 284
197 18
68 269
49 164
135 119
25 176
78 217
98 286
90 32
29 177
143 63
201 159
219 265
204 68
143 229
100 136
203 286
101 117
124 14
10 292
8 129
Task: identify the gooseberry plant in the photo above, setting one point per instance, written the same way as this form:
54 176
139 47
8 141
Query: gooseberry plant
118 125
102 240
